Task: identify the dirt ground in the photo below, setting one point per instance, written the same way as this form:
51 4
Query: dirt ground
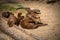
50 14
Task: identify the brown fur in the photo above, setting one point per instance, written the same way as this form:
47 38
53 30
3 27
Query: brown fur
25 24
29 22
6 14
11 21
15 21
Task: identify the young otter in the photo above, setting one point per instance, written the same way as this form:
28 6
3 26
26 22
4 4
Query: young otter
15 21
11 18
32 20
29 21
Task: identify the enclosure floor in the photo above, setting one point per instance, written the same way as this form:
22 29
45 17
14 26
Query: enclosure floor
50 14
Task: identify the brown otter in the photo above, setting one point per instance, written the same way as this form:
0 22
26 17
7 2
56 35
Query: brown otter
13 20
31 21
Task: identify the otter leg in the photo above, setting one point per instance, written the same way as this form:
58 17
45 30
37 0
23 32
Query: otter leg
10 23
17 22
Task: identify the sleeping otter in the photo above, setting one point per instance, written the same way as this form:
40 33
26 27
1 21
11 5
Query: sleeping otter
15 21
31 21
12 20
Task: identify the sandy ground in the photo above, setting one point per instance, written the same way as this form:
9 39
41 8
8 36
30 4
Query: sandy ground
50 14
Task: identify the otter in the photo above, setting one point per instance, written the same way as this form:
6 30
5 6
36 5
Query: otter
31 21
11 18
15 21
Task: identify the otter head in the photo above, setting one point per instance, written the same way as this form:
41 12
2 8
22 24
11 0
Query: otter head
6 14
